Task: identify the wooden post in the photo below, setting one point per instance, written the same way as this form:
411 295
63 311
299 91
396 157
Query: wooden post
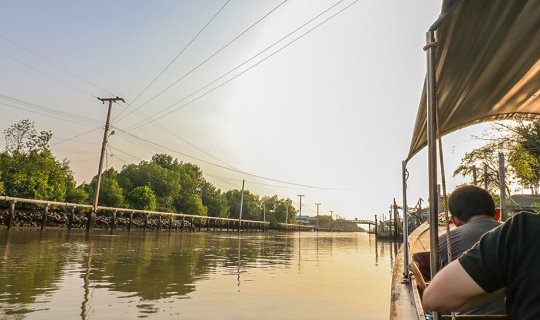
215 223
192 225
130 221
159 223
375 226
113 220
200 224
170 223
70 218
145 222
11 214
182 224
207 224
45 215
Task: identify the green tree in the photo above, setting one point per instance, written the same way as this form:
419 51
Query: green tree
142 198
214 200
110 192
28 169
22 138
251 208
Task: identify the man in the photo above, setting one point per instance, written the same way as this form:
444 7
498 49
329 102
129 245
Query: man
473 211
505 262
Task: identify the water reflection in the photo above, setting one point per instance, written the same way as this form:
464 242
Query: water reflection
103 275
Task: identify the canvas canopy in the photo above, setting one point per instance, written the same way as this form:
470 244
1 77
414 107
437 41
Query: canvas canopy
488 65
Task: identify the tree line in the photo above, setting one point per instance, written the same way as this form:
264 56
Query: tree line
28 169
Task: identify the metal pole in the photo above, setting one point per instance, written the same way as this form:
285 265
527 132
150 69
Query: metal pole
474 177
405 223
241 207
376 227
331 220
300 211
92 213
432 152
502 183
486 181
317 204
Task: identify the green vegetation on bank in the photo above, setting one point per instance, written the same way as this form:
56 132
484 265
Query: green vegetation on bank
28 169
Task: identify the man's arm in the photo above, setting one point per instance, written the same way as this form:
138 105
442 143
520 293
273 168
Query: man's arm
452 289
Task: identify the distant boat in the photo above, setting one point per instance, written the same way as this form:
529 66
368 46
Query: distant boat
483 65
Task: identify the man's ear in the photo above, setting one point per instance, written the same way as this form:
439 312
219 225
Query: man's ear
457 222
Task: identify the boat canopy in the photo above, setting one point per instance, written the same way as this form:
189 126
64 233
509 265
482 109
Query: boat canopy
488 65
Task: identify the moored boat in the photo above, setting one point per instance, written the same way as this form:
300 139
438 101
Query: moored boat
483 64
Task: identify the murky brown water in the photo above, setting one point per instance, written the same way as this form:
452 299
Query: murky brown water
61 275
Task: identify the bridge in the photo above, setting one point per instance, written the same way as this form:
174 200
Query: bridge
370 222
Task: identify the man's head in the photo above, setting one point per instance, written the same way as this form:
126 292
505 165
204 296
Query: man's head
469 201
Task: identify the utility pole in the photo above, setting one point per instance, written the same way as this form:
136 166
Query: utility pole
287 214
241 207
331 220
317 204
92 213
300 211
502 183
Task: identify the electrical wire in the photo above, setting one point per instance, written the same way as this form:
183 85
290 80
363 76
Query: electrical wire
142 122
227 168
54 64
210 57
49 112
48 75
180 53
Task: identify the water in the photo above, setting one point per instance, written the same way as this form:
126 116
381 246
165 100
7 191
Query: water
56 274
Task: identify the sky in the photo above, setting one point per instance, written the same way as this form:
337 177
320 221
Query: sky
329 110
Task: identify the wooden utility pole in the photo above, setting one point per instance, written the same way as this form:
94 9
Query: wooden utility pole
92 213
241 207
317 204
300 211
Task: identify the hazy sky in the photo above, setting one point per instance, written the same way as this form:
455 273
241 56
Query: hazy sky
333 110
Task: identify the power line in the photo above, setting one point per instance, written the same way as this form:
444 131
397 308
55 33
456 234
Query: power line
211 56
49 112
227 168
48 75
76 136
54 64
142 122
180 53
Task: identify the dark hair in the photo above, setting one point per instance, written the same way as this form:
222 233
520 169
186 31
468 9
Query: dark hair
468 201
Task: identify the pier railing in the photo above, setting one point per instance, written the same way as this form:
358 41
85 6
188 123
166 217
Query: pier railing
147 213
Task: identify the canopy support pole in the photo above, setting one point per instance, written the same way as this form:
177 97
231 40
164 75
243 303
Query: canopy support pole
405 224
432 155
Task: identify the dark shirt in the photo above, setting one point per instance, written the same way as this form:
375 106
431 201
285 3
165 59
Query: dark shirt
463 238
508 256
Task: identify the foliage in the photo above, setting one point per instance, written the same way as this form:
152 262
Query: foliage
214 200
250 209
22 138
28 169
522 145
110 193
142 198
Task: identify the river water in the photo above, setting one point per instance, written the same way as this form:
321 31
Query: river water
193 275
